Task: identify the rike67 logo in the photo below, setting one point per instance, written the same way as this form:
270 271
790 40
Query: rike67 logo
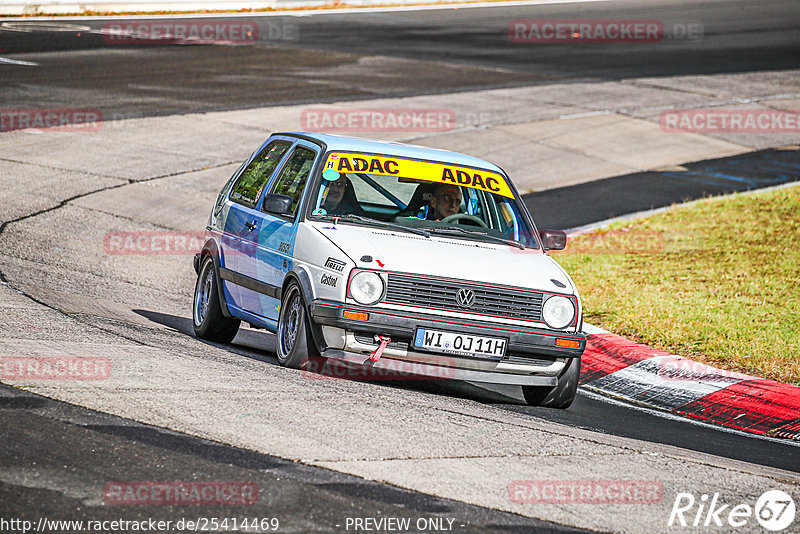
774 510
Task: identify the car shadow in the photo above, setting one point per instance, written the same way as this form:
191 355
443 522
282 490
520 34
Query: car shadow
260 345
250 343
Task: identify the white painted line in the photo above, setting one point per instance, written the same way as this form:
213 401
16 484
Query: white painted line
28 26
585 114
6 61
592 329
308 12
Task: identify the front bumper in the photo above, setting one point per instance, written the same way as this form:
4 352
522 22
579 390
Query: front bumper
532 357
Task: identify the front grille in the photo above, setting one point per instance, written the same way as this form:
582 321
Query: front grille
442 294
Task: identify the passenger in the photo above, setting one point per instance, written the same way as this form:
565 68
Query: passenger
341 198
445 201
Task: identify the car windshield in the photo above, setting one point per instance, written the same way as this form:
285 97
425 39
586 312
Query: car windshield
437 197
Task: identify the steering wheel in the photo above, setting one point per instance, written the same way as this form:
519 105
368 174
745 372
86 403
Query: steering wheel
466 217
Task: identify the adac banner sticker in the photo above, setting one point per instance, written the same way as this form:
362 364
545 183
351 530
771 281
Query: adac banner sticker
428 171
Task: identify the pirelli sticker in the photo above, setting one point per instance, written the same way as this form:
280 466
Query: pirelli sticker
429 171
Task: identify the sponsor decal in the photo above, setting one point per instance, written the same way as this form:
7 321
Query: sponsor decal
336 265
284 247
491 182
328 280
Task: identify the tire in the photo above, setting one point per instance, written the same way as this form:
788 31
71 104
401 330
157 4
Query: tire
559 396
207 318
294 343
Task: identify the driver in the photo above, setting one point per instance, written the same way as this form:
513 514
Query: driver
341 198
445 201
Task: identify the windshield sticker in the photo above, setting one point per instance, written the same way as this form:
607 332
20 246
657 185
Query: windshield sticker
428 171
331 175
319 211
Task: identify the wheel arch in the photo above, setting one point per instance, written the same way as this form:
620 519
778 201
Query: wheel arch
211 249
300 276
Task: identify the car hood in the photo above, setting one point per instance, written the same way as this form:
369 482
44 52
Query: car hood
465 259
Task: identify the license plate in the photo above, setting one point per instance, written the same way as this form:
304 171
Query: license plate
460 344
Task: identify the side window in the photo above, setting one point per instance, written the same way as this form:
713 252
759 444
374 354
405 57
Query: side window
252 181
292 179
224 193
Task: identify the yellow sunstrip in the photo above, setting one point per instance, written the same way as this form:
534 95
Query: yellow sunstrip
488 181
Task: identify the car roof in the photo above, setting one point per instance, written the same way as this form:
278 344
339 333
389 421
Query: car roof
372 146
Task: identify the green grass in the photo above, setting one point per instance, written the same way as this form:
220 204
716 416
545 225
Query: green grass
717 281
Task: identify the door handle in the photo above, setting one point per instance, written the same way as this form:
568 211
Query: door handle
250 225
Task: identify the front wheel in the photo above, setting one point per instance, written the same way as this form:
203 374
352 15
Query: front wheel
295 344
559 396
208 320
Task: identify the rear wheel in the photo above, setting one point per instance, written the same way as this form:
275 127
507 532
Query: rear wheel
208 320
295 344
559 396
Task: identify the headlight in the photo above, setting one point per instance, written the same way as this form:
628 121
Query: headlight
558 312
366 287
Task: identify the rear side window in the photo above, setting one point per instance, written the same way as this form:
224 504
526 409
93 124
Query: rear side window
292 179
252 181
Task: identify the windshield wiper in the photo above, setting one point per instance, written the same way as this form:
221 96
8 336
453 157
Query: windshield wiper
454 229
353 217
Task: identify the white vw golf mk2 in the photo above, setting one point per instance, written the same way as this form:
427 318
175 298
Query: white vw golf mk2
374 253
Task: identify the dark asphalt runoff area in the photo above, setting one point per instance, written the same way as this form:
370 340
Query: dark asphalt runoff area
360 56
570 207
43 436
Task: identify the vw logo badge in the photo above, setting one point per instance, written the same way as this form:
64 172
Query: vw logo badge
465 298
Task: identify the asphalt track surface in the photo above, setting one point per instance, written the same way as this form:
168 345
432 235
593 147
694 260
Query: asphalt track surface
49 435
326 63
325 58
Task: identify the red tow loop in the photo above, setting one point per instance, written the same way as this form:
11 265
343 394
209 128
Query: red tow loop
375 356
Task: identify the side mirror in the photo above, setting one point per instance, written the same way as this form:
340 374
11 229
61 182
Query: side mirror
277 204
553 239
